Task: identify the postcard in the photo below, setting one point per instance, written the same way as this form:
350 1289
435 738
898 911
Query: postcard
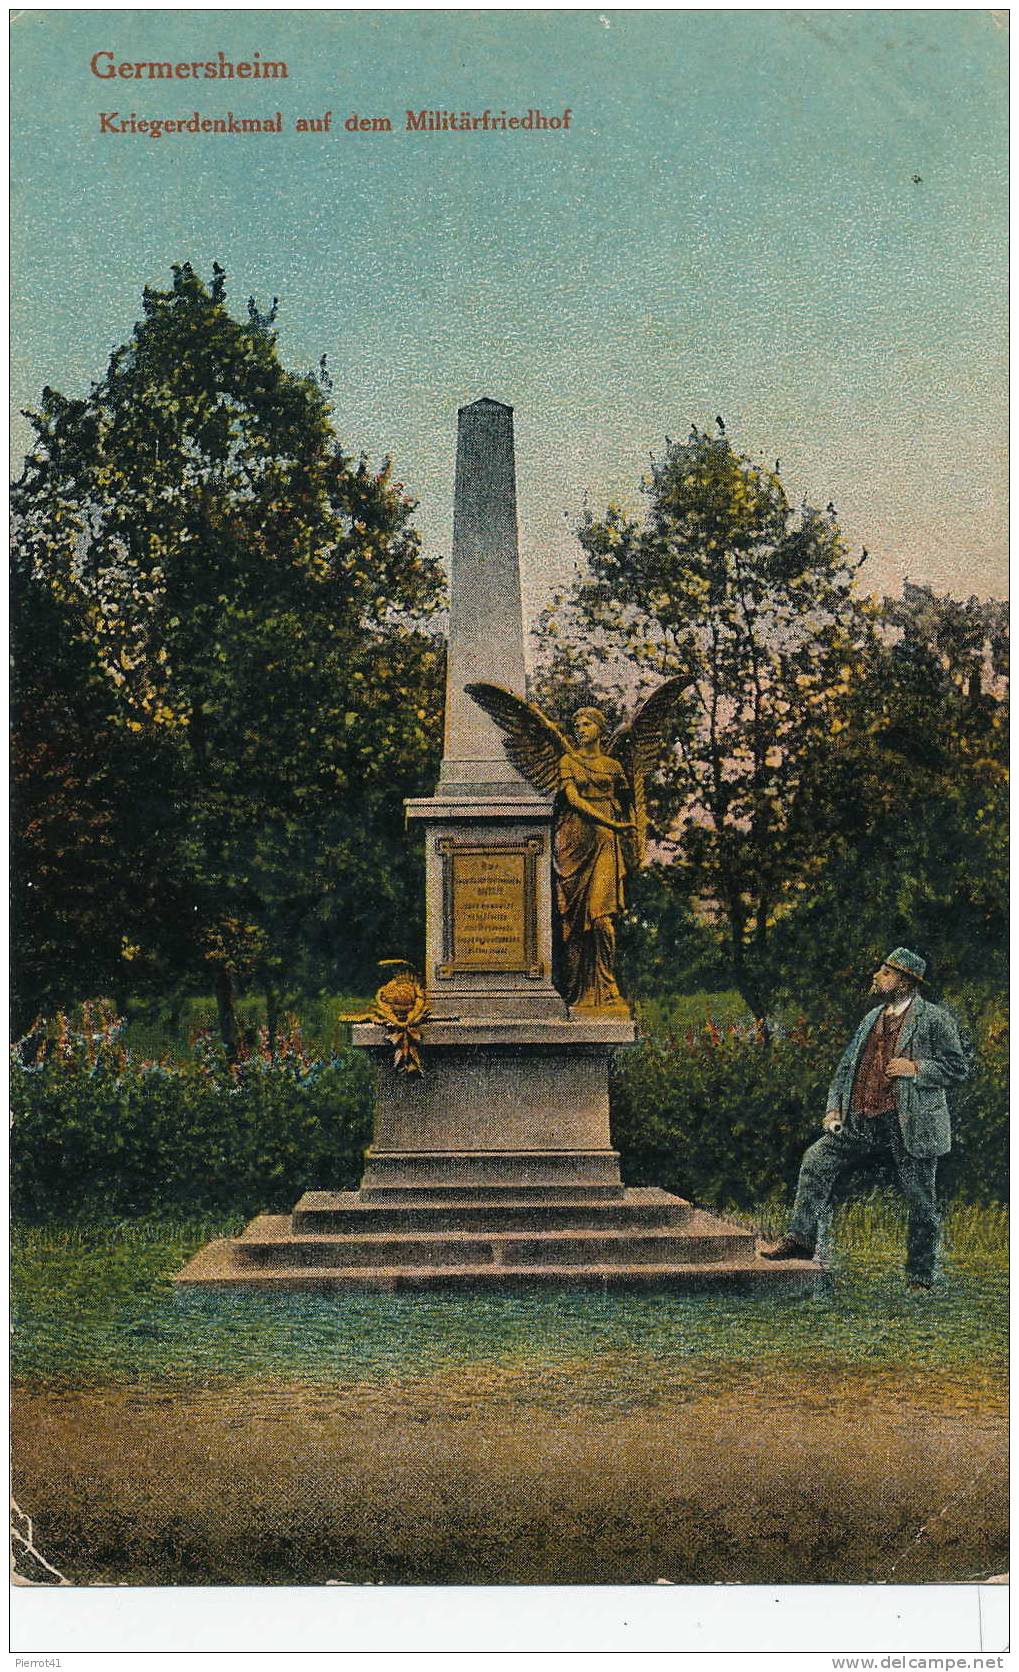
509 830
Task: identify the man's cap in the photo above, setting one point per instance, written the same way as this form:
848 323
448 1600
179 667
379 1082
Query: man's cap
910 963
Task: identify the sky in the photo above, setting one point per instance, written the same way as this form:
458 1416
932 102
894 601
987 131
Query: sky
796 219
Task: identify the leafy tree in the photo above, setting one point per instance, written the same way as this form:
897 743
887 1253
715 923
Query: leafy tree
665 944
253 606
88 864
754 599
921 853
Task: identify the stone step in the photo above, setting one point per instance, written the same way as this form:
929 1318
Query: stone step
220 1265
487 1194
269 1240
436 1168
332 1212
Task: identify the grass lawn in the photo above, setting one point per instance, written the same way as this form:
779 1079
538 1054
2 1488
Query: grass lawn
854 1433
151 1032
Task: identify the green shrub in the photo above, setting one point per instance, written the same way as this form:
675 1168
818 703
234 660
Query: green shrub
717 1114
712 1112
98 1131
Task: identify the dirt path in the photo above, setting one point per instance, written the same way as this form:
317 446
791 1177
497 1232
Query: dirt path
433 1482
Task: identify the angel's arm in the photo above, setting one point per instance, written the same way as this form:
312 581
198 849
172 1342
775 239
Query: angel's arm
571 794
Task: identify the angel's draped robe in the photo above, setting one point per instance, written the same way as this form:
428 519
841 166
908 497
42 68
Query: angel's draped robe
589 869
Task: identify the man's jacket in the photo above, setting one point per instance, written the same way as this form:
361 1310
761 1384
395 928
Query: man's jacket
930 1038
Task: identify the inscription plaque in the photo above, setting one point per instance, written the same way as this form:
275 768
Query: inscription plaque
489 911
489 908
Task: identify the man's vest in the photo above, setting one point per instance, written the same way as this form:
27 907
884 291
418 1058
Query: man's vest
873 1093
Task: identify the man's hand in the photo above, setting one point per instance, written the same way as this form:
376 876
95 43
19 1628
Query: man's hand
833 1121
901 1068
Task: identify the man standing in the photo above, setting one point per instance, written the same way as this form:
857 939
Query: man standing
887 1099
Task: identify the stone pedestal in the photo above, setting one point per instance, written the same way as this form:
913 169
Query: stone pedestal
500 1103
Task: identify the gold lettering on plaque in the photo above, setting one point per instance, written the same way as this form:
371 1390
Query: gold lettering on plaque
489 910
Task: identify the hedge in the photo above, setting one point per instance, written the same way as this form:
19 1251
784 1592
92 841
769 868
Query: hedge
720 1115
98 1132
717 1114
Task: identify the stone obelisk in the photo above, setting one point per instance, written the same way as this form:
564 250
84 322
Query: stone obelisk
486 640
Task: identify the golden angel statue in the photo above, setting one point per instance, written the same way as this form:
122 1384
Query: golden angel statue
600 821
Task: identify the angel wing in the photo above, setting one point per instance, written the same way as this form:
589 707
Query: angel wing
533 742
637 743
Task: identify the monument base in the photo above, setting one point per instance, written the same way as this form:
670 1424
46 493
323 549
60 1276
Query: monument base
493 1169
508 1103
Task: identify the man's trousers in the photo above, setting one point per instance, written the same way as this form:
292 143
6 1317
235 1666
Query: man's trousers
869 1138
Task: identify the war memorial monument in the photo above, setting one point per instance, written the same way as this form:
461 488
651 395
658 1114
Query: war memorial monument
491 1161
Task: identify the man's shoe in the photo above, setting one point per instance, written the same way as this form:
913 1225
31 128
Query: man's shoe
788 1248
920 1285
